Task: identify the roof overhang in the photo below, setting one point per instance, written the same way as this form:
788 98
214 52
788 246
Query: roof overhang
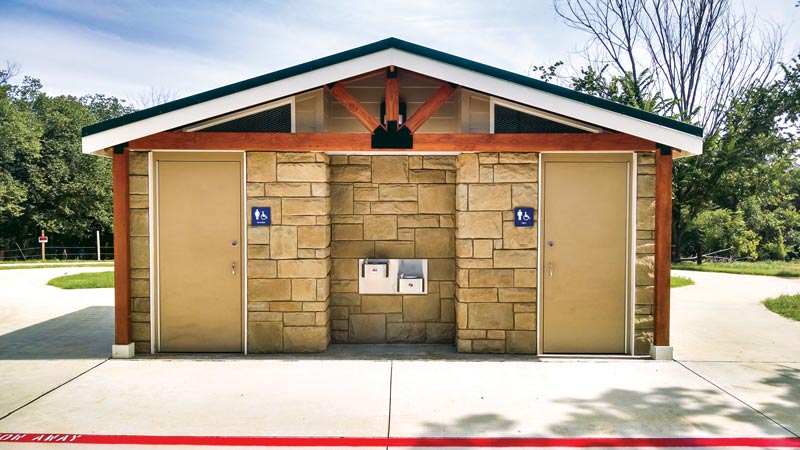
524 90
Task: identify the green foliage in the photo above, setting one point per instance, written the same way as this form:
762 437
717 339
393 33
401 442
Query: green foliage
91 280
45 180
786 305
744 190
676 282
771 268
626 89
722 228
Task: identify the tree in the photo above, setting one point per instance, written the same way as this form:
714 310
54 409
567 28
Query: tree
153 97
45 180
698 61
700 53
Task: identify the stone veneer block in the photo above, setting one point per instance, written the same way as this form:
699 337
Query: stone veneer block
283 241
380 227
478 225
467 168
303 268
434 243
367 328
420 308
305 339
264 337
521 342
351 174
515 173
394 249
405 332
436 199
307 172
342 199
382 304
305 206
491 316
313 236
490 197
390 169
261 166
398 192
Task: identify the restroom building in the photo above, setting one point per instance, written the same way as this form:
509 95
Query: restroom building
392 194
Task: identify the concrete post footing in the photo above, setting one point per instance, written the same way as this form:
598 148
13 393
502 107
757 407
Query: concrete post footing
661 352
122 351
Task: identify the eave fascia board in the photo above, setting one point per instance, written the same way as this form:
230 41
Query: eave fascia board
237 101
550 102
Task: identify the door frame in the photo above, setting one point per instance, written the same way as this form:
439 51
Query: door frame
630 285
192 156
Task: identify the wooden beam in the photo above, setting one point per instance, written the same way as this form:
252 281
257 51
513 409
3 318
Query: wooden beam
354 106
429 107
122 261
534 142
663 241
392 96
426 142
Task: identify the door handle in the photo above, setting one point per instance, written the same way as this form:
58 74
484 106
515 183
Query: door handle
551 269
233 268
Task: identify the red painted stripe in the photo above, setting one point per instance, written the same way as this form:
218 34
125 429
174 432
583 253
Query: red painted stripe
253 441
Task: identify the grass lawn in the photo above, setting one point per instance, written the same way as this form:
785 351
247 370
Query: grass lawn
676 282
774 268
786 305
89 280
38 264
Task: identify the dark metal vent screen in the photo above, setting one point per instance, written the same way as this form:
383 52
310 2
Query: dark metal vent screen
274 120
507 120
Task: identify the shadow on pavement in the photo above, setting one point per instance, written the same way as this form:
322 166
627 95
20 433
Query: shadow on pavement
676 411
785 410
84 334
474 424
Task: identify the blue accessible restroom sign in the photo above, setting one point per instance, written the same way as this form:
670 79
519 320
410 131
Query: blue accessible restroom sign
523 217
261 216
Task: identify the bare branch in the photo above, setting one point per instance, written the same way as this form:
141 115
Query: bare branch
11 70
152 97
699 52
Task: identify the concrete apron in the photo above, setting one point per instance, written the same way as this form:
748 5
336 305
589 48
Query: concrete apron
391 398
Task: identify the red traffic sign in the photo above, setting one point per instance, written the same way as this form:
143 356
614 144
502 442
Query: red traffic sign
43 239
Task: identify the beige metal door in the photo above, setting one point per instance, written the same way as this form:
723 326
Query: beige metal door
199 254
585 253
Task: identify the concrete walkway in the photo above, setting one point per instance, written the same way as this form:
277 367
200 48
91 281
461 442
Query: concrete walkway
49 335
722 331
410 392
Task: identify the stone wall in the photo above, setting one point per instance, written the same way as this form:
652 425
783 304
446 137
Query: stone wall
496 261
645 252
288 263
392 207
140 250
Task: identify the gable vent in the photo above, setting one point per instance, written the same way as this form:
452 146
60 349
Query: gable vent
508 120
273 120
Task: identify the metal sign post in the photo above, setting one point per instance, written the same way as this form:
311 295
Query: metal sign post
43 241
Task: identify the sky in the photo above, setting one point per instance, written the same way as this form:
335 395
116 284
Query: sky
126 48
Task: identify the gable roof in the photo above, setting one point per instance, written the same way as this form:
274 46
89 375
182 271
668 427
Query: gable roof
403 54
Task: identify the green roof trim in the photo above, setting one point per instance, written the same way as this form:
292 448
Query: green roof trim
406 47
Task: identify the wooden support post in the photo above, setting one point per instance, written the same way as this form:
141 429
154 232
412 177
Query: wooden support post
392 97
663 241
122 262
